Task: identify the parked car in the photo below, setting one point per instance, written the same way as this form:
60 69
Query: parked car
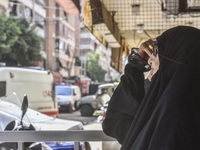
67 95
10 111
88 104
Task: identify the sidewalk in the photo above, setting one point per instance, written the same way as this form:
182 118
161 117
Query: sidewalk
100 145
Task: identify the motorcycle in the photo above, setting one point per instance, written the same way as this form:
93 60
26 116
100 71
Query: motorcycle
16 125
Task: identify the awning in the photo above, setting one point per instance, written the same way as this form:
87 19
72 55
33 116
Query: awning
70 6
103 21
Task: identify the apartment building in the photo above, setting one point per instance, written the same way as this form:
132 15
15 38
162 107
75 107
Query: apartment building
62 38
3 6
58 26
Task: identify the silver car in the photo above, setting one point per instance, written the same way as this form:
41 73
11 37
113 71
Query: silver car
10 110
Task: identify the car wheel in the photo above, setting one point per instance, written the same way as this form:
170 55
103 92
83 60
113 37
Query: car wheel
70 108
86 110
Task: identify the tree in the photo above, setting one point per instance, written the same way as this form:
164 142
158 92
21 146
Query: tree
9 32
94 70
25 49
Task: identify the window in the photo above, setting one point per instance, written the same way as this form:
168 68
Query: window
57 45
14 9
39 20
64 91
28 14
65 16
57 10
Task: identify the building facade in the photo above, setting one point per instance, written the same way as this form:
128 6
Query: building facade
3 6
56 25
66 39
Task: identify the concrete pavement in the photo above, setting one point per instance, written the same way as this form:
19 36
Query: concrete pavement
91 123
101 145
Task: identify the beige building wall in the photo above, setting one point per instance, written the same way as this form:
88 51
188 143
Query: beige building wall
3 6
50 34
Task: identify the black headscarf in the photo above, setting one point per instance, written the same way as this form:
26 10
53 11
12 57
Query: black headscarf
169 115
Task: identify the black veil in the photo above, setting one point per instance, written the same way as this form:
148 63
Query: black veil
169 115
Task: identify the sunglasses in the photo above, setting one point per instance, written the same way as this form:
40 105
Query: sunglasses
155 49
134 49
154 52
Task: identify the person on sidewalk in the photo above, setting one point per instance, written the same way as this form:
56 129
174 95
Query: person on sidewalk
166 114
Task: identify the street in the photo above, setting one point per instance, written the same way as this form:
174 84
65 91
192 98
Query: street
77 117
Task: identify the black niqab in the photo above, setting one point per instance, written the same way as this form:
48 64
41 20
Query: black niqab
169 115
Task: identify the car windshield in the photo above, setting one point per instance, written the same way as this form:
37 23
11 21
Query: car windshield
31 115
63 91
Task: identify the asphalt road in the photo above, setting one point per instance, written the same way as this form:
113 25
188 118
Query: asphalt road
77 117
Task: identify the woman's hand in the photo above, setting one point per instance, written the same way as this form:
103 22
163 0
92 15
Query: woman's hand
154 62
146 49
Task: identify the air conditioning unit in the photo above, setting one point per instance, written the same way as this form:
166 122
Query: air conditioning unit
175 7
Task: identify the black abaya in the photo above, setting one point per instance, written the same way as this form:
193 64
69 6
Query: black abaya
167 117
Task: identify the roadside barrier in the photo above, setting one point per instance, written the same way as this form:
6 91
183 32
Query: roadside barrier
75 136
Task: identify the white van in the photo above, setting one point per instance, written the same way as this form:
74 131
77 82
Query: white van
67 95
38 85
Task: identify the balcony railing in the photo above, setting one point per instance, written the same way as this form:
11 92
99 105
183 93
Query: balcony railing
42 136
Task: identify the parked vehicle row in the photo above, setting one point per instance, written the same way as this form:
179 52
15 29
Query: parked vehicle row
39 86
48 98
11 111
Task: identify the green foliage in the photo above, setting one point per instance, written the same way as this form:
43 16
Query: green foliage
94 70
23 46
9 32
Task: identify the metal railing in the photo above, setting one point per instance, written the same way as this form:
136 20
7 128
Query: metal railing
75 136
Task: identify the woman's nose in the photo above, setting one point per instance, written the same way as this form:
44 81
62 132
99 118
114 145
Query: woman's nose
150 61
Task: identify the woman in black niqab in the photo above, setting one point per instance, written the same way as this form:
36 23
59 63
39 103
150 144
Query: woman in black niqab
168 117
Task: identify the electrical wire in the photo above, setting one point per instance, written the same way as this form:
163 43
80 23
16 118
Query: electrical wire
147 34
